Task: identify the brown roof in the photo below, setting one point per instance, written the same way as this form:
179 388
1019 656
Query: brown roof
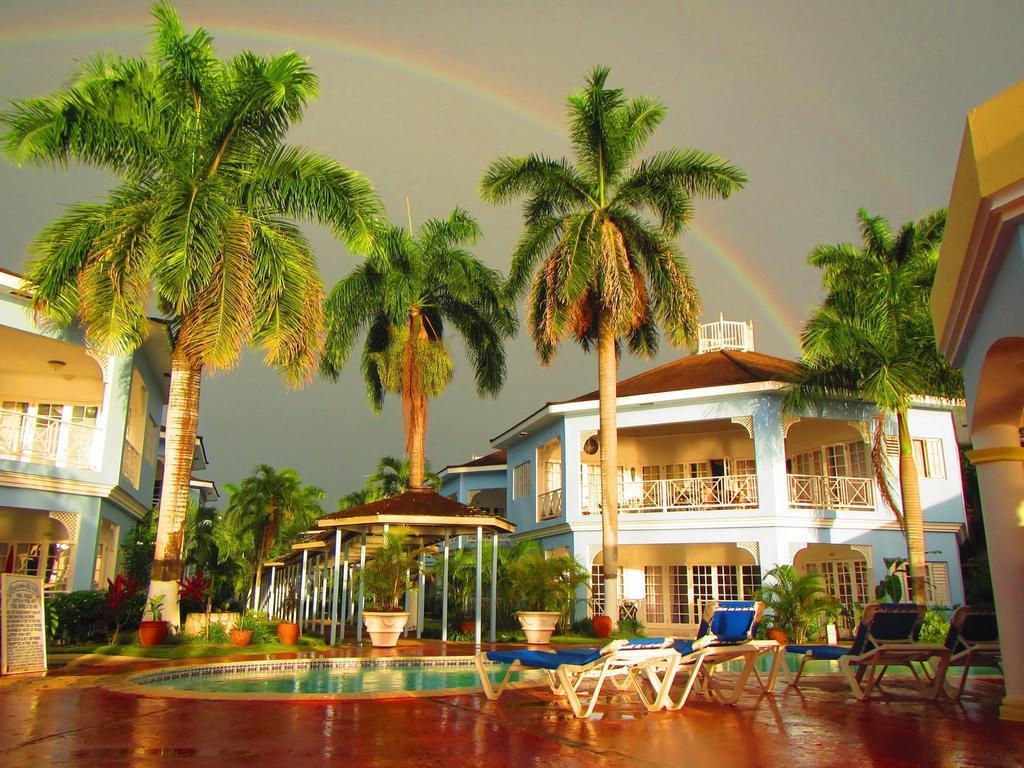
712 369
415 508
311 539
492 459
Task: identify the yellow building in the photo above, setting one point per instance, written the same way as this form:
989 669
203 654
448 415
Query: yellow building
979 325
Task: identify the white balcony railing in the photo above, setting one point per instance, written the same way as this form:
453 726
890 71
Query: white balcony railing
48 440
693 493
549 505
820 492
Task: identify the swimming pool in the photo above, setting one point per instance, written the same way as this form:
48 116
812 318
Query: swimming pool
317 679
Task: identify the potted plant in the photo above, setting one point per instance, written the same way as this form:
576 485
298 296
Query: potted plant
154 631
796 603
602 625
241 633
288 631
385 581
545 588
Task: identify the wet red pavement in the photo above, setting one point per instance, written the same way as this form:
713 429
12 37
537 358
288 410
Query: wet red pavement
64 720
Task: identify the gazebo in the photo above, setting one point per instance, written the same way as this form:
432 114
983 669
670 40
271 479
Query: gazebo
322 562
432 519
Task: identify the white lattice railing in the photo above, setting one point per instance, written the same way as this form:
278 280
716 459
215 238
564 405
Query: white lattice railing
49 440
686 494
725 334
820 492
549 505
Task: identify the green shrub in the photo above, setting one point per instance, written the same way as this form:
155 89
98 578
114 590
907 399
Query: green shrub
77 617
935 627
583 627
631 627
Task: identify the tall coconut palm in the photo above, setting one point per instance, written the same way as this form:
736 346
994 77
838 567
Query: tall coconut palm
403 296
597 268
872 338
271 507
201 217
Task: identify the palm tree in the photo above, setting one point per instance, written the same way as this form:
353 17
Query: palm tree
403 296
872 338
271 507
601 271
391 477
201 217
797 602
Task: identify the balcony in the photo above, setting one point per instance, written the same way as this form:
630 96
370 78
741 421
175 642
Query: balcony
822 492
54 440
681 495
549 505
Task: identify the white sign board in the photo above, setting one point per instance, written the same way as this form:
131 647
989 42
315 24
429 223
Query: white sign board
22 632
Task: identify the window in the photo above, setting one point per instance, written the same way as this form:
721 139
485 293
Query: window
936 586
807 463
728 588
553 475
651 472
744 467
751 580
679 591
703 588
928 457
687 470
835 460
521 480
860 461
845 580
654 597
135 431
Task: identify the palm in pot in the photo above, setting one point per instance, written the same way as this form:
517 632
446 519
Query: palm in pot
386 579
545 590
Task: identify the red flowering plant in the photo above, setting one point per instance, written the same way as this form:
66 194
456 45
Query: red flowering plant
198 589
119 607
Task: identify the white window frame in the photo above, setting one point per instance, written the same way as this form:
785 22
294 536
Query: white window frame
929 457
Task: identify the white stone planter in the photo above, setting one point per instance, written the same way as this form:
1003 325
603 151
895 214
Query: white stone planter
195 623
384 627
538 625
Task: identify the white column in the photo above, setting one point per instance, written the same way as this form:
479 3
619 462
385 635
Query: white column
479 583
444 592
336 586
494 587
359 603
998 457
272 603
422 585
302 590
345 586
259 582
408 602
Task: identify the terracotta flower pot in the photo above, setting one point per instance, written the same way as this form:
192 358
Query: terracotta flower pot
241 637
602 625
152 633
777 635
467 627
287 632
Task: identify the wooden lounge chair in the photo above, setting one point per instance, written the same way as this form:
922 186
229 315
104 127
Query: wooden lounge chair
973 641
725 634
886 637
579 674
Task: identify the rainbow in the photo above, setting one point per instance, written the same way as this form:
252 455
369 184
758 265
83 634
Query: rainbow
284 34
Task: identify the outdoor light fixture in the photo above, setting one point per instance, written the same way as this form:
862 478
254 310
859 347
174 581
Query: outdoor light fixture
56 365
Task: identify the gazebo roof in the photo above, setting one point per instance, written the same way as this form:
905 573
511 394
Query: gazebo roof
311 540
424 511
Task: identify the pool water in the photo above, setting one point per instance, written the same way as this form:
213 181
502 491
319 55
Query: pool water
326 678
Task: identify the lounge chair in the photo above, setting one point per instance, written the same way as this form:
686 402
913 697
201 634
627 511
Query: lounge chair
579 674
973 641
725 634
886 637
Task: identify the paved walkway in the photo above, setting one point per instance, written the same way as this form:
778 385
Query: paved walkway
63 719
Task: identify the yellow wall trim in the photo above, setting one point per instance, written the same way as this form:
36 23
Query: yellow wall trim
999 453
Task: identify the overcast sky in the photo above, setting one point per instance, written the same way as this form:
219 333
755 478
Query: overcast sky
827 107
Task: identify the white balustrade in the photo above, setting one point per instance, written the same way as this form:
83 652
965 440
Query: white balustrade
684 494
549 505
821 492
49 440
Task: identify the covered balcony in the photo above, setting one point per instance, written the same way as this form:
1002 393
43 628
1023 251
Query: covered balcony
676 468
828 463
50 396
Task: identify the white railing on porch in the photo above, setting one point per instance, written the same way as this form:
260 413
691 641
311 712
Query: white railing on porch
820 492
686 494
47 440
725 334
549 505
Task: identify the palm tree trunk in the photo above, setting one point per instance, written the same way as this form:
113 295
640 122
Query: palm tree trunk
606 386
179 449
414 406
910 491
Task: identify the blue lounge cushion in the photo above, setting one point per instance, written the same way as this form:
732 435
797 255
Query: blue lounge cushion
732 621
684 647
829 652
529 657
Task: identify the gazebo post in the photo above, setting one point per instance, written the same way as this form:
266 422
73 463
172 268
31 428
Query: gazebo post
344 590
420 597
302 590
359 605
256 590
408 602
314 598
479 583
336 584
270 591
494 586
444 592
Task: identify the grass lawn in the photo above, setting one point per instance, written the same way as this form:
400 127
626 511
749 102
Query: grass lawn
188 650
